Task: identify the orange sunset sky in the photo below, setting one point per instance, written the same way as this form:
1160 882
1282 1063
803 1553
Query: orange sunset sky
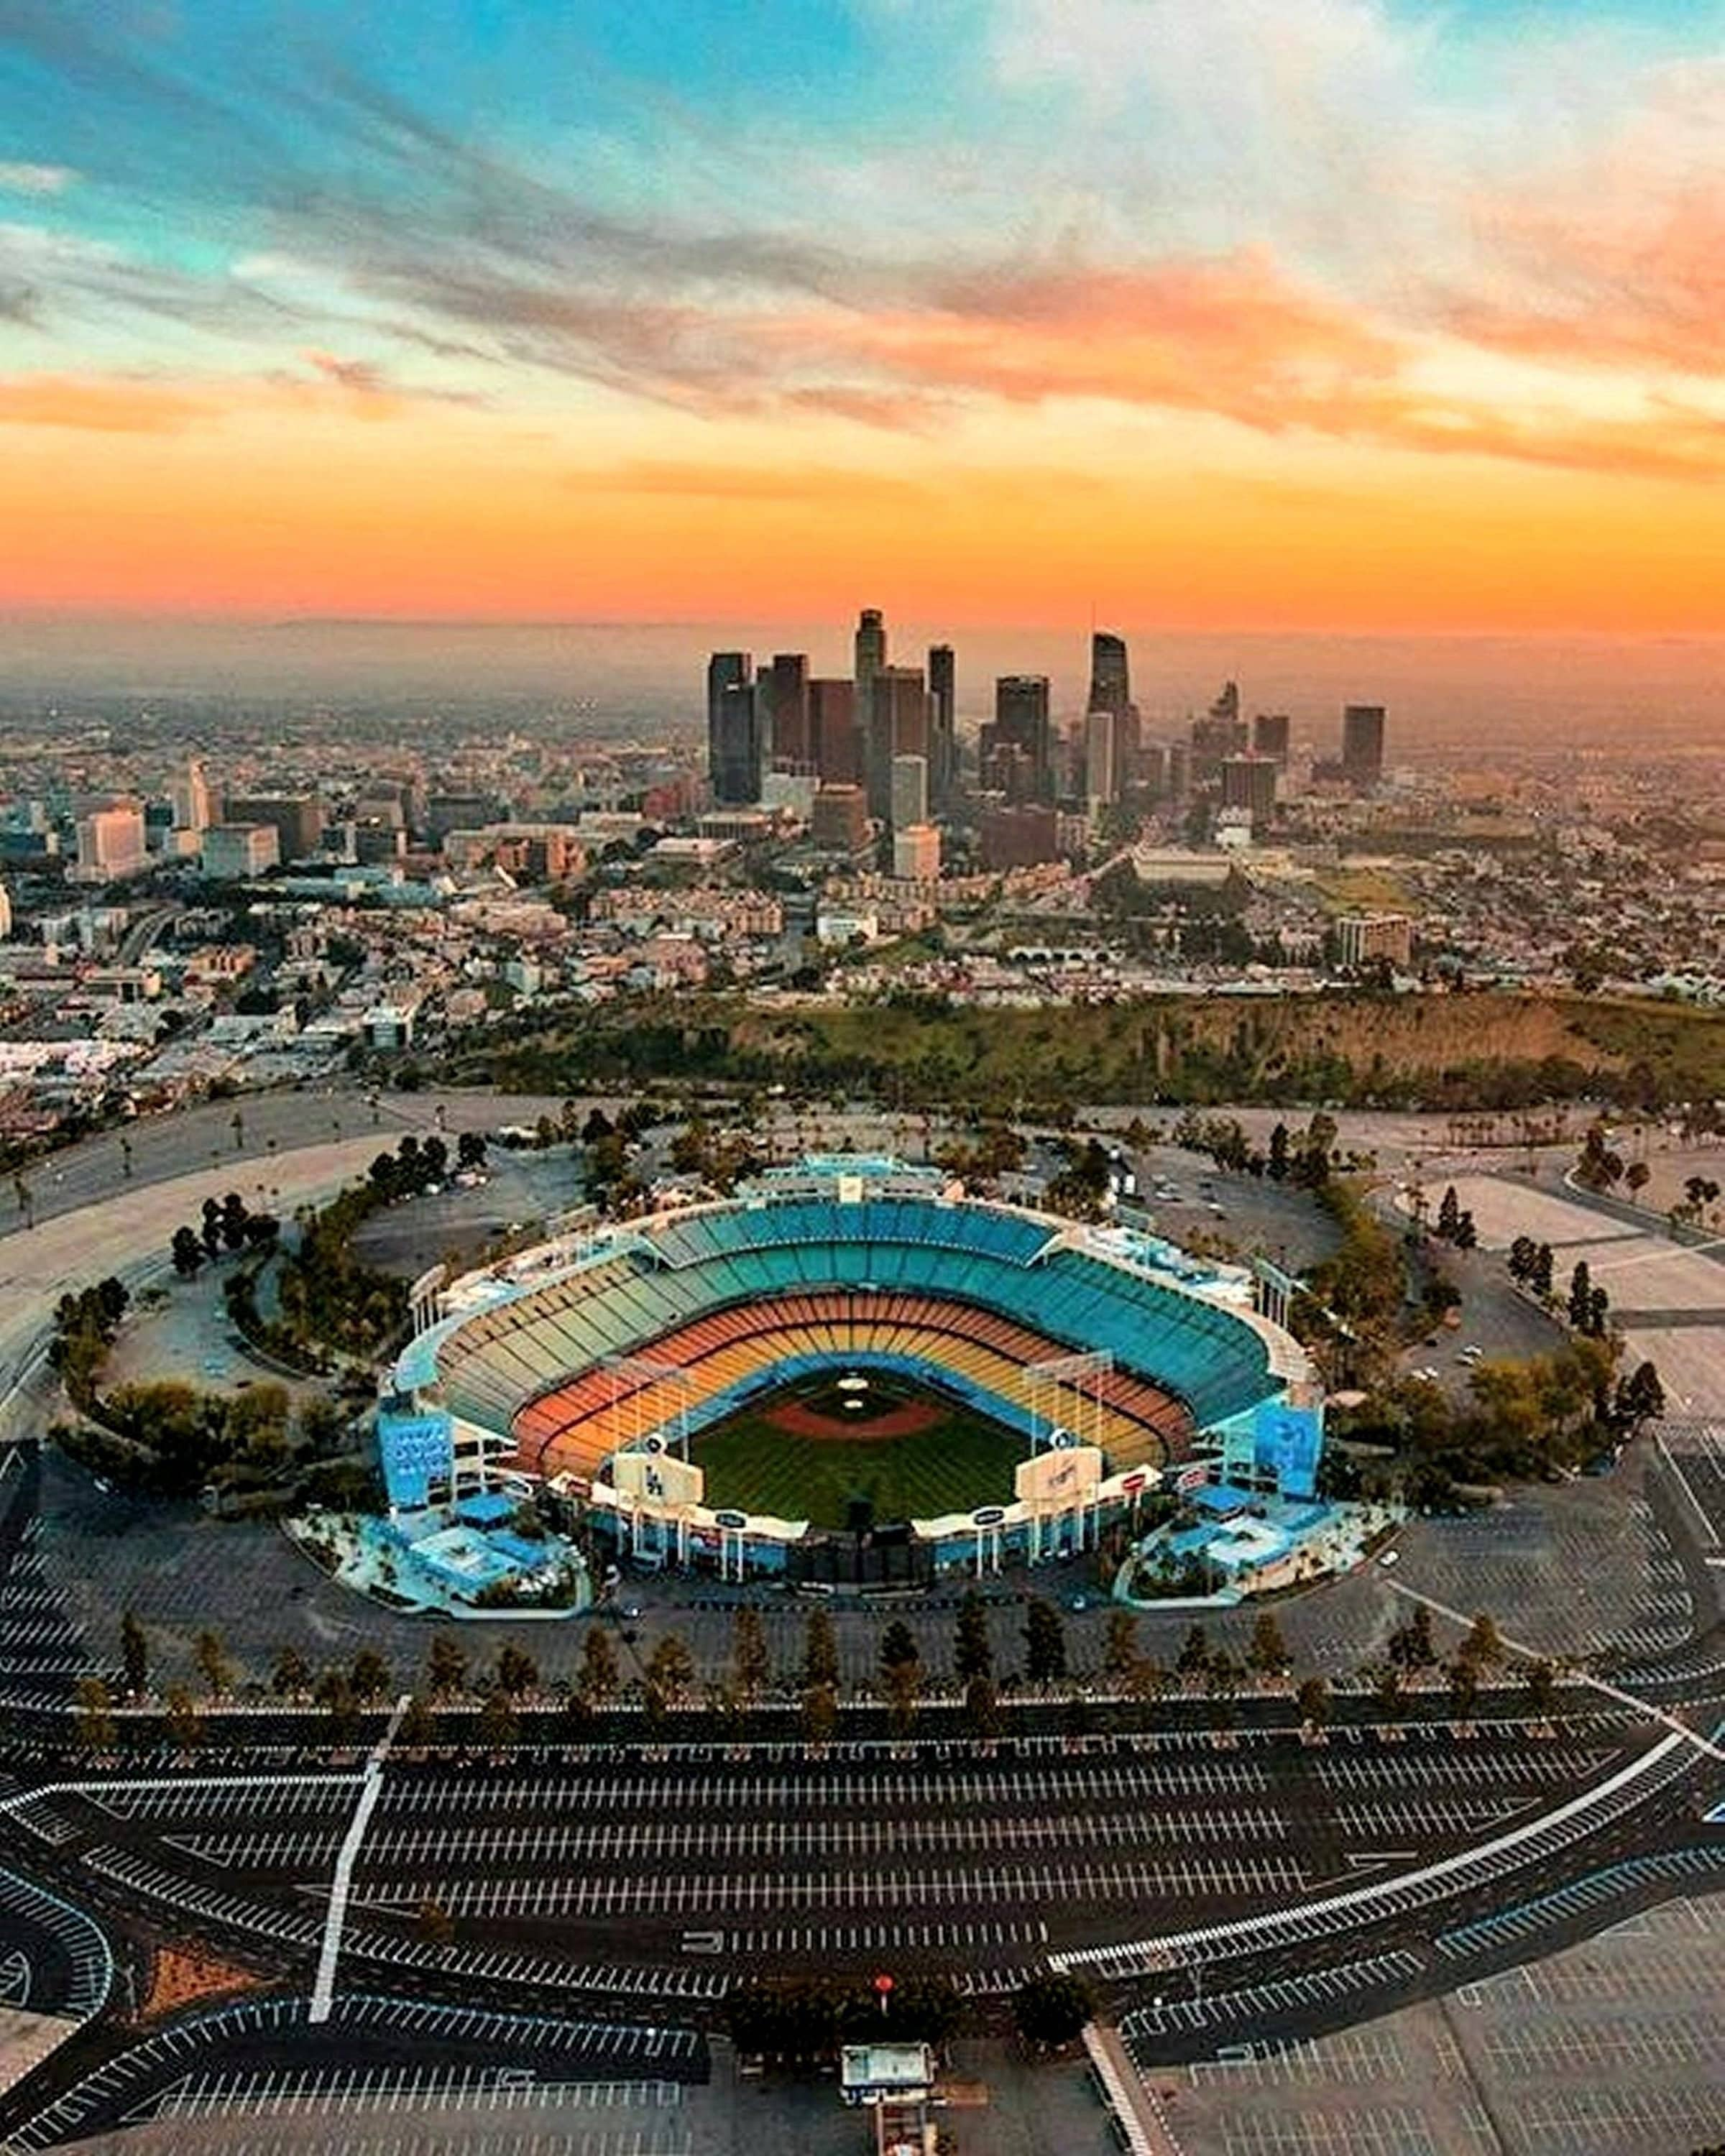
1333 314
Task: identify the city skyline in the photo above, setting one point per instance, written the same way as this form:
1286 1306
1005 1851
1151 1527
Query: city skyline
1348 316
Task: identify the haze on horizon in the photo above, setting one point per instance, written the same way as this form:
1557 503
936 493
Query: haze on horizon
1353 317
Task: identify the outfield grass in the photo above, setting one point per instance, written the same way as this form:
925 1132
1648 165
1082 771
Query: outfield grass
963 1462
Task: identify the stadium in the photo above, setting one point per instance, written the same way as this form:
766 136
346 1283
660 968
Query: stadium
849 1371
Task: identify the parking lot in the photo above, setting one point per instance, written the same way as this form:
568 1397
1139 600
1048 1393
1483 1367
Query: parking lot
1612 2049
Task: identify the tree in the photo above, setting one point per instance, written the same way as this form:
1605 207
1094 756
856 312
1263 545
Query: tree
1540 1277
419 1725
1044 1643
184 1723
292 1677
596 1679
1121 1650
670 1669
750 1665
1410 1646
1484 1645
446 1666
1268 1653
1314 1702
820 1713
898 1648
1448 1213
1641 1398
820 1651
517 1672
498 1725
134 1656
902 1683
96 1728
1194 1652
334 1694
1051 2011
186 1251
1581 1297
1276 1163
369 1676
1637 1176
1387 1689
1541 1689
981 1706
972 1649
1464 1678
213 1663
1148 1681
471 1149
433 1924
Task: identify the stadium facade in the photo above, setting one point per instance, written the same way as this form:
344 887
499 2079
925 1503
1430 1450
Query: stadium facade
585 1367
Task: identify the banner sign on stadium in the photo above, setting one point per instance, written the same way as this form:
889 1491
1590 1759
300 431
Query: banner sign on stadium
414 1451
658 1477
1286 1443
1069 1477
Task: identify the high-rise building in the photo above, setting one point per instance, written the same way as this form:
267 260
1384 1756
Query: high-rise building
910 791
734 758
5 913
786 738
1021 722
916 852
112 844
1361 938
296 818
871 657
1019 837
840 821
1178 787
1363 743
1110 673
1101 785
897 725
1270 735
942 723
1249 783
190 797
732 748
1221 732
834 741
231 852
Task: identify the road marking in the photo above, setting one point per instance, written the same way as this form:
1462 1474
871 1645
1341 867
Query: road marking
323 1991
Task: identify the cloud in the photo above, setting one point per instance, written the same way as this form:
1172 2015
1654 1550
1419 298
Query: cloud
745 483
102 406
35 179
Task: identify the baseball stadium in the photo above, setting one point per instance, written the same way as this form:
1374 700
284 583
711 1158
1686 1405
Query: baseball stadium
849 1351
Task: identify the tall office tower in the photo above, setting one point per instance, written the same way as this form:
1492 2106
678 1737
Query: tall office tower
839 820
871 657
910 791
942 735
1102 785
110 844
1153 769
725 670
897 725
916 852
1021 722
190 793
1179 773
296 818
734 761
1110 690
832 730
1221 732
1363 743
1249 781
788 744
1270 737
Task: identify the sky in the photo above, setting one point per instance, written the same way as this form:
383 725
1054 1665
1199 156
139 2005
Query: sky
1285 315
